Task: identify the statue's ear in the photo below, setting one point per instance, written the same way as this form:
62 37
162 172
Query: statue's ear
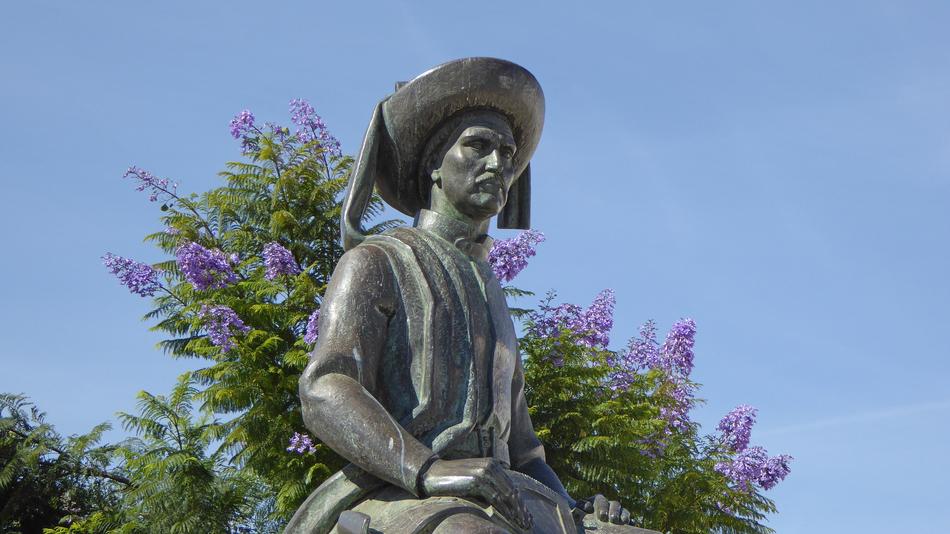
359 190
517 211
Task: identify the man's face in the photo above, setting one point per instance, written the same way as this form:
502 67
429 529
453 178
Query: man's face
478 169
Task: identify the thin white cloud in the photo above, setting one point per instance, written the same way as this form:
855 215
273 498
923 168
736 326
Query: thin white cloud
858 418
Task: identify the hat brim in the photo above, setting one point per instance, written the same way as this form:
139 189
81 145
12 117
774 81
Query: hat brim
414 113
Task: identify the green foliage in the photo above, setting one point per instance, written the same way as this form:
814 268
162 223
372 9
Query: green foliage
46 479
611 440
171 479
288 192
599 438
183 484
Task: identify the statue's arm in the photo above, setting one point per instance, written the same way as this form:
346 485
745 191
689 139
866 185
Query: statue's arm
524 447
527 456
336 386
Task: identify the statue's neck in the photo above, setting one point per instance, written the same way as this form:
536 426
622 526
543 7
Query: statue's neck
471 239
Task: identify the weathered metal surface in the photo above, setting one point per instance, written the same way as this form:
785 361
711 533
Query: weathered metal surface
416 377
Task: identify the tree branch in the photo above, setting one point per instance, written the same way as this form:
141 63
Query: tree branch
84 469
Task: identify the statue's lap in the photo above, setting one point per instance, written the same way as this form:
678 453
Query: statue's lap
395 511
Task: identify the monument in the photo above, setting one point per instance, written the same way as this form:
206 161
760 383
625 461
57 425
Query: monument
416 377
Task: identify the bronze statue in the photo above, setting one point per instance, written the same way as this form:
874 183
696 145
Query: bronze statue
416 377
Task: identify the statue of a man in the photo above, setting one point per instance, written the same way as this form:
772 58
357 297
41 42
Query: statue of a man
416 377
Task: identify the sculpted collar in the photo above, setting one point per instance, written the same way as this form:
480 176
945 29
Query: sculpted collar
467 238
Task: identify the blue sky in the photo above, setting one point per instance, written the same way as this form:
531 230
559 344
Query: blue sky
780 172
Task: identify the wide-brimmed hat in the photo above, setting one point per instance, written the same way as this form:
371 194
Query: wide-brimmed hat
392 151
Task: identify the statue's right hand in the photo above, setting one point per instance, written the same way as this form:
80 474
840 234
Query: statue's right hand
482 478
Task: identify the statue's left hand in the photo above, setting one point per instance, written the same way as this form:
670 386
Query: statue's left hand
604 510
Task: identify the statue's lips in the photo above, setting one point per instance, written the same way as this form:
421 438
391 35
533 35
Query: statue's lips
492 180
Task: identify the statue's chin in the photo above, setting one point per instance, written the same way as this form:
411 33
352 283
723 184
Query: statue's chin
486 205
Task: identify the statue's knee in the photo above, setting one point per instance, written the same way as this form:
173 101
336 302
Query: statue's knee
468 524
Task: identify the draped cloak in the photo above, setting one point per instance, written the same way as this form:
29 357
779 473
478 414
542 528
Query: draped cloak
449 372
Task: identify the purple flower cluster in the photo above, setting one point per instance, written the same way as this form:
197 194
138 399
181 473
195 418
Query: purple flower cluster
223 323
301 443
279 132
675 356
508 257
312 127
242 124
677 350
751 464
775 470
203 268
157 187
140 278
681 394
736 427
754 466
313 329
278 260
592 324
642 351
746 467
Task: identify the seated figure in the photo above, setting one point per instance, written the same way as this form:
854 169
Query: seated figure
416 377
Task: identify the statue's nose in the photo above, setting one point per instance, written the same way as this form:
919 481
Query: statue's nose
493 162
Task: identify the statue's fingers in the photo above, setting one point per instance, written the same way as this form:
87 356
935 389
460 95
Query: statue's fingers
613 511
528 520
624 517
601 507
587 506
521 515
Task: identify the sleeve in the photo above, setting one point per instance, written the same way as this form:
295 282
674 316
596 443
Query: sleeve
337 387
524 448
354 317
523 444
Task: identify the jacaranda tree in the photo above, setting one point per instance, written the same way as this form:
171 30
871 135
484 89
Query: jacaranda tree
241 289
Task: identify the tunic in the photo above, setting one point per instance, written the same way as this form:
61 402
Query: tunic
424 329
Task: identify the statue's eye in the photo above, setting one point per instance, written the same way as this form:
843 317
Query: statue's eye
507 152
478 145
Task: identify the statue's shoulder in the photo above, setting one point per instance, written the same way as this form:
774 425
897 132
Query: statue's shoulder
396 238
383 252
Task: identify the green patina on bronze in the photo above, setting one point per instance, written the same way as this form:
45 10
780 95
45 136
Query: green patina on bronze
416 377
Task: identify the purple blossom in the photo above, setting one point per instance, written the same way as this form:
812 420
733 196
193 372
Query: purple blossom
313 329
774 471
592 325
278 260
279 132
600 318
301 443
312 127
725 509
736 427
242 124
642 352
677 350
508 257
680 393
754 466
745 468
549 320
203 268
675 356
223 323
140 278
157 187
